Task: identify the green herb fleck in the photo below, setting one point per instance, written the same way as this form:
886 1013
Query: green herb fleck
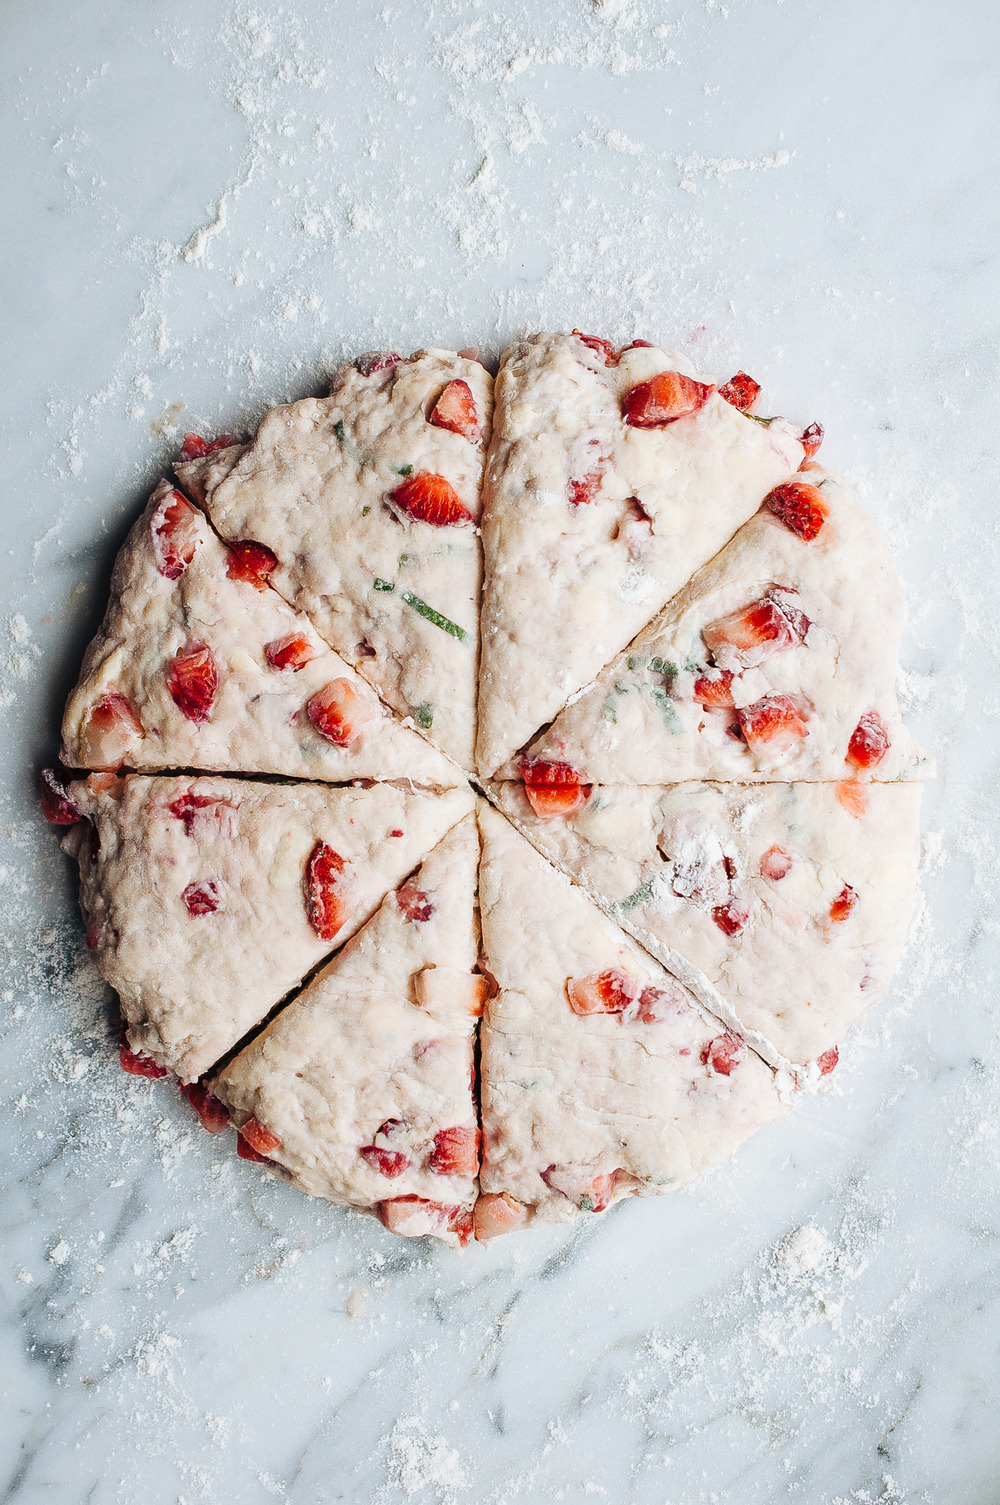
636 663
621 688
423 715
667 708
338 429
365 511
641 896
609 711
586 1205
764 421
383 585
662 666
430 615
404 470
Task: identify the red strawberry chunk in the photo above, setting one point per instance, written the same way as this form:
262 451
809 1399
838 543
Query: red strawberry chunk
776 719
246 1151
340 712
291 652
799 506
456 411
775 864
414 903
741 392
585 490
414 1216
187 805
376 360
329 891
658 1004
196 448
213 1114
636 345
603 348
869 741
57 807
811 439
193 680
843 904
386 1162
851 795
714 691
429 498
745 638
663 399
112 728
828 1060
138 1065
498 1212
201 898
591 1192
608 992
455 1152
723 1054
252 563
731 918
553 788
174 531
259 1138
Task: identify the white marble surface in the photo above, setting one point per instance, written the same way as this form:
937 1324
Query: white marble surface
211 203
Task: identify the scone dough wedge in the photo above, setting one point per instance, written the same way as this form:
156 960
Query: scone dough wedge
591 523
200 664
583 1106
370 499
361 1090
208 899
777 661
792 901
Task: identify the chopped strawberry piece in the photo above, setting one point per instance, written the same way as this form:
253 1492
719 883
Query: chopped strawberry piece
414 903
785 597
57 807
376 360
138 1065
253 563
636 345
201 898
456 411
607 992
246 1151
414 1216
259 1138
603 348
590 1192
731 918
553 788
828 1060
714 691
340 711
193 680
583 491
745 638
799 506
429 498
741 392
723 1054
291 652
496 1213
196 448
391 1128
869 741
329 891
663 399
658 1004
364 649
213 1114
111 730
186 806
174 531
775 864
852 796
455 1152
811 439
386 1162
776 718
843 904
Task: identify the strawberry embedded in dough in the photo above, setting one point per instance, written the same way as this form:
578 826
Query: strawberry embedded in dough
714 691
455 410
110 732
259 1138
656 1005
138 1065
253 563
174 531
455 1152
214 1115
775 864
201 898
376 360
604 348
385 1162
731 918
187 806
843 904
57 806
607 992
193 680
828 1060
590 1191
414 903
811 439
553 788
293 652
340 712
329 891
663 399
497 1212
412 1217
429 498
741 392
775 720
869 741
723 1054
195 447
744 639
584 490
851 795
800 506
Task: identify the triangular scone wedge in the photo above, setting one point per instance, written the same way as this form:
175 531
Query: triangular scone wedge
208 899
591 524
792 901
580 1106
371 506
778 660
199 664
361 1089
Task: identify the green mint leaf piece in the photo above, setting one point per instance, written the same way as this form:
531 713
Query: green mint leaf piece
586 1205
636 663
667 709
383 585
338 429
365 511
430 615
423 715
404 470
662 666
641 896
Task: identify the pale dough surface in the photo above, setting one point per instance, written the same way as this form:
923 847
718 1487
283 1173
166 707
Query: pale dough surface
567 585
192 985
370 1041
